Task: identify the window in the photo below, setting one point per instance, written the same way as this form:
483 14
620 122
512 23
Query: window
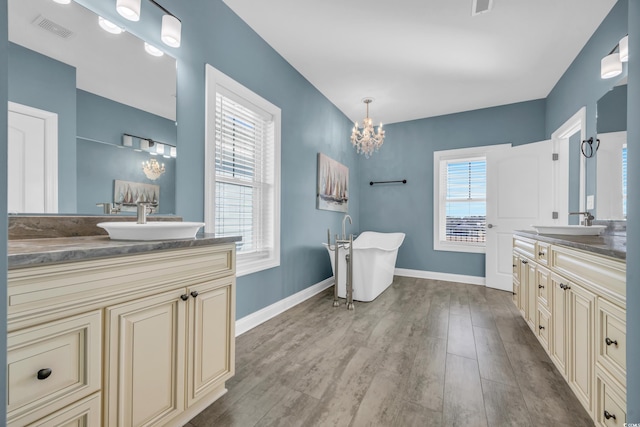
460 199
624 180
242 179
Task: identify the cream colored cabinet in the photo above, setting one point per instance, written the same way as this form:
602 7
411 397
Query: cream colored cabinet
579 320
141 340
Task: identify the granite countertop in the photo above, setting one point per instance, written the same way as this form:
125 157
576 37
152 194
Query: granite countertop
33 252
612 245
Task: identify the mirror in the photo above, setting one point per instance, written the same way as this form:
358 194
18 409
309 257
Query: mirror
611 167
93 86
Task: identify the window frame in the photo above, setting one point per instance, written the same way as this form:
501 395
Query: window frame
216 81
439 158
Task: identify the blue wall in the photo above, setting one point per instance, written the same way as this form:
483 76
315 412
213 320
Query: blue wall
41 82
633 206
408 154
612 110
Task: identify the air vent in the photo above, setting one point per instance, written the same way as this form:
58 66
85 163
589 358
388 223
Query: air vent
52 27
481 6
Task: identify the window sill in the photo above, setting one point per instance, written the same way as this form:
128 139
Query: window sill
457 247
246 265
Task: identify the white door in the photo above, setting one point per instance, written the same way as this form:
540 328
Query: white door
519 194
32 160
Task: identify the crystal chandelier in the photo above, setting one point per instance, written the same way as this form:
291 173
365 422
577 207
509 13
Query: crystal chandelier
368 140
152 169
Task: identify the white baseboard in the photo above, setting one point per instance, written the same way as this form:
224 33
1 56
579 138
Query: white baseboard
261 316
421 274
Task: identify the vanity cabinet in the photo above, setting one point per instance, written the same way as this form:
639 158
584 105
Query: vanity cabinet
580 321
138 340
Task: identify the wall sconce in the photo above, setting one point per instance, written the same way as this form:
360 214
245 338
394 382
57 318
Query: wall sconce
171 30
109 26
147 144
611 65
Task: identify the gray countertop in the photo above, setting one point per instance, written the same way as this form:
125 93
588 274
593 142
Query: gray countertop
611 245
33 252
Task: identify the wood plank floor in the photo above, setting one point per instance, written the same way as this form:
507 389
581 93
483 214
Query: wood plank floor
424 353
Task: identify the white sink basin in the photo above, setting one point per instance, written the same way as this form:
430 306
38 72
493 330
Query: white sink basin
155 230
570 230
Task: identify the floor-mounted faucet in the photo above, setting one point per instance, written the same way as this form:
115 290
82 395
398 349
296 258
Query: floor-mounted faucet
344 226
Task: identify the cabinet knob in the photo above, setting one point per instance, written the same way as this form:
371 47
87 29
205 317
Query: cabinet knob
194 293
184 297
514 265
609 341
608 416
524 261
540 253
540 327
540 286
564 287
43 374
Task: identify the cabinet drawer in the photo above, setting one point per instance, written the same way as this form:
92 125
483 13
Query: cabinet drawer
603 275
612 339
85 413
611 406
526 246
51 366
542 328
543 288
542 253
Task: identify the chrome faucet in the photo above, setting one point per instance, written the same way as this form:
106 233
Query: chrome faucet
144 208
588 218
108 208
344 226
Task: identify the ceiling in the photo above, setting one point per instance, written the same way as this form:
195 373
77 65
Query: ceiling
425 58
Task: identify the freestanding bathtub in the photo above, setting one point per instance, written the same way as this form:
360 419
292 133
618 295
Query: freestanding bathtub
374 261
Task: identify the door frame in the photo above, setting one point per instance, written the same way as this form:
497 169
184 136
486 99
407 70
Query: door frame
577 122
50 151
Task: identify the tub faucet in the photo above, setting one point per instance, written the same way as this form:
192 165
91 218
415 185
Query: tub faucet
144 208
344 225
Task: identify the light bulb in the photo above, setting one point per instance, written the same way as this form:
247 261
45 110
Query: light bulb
152 50
129 9
170 34
610 66
109 26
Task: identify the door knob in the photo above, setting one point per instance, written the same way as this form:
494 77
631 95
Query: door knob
491 225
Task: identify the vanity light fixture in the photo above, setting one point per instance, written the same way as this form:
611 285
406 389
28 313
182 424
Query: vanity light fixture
173 152
171 30
152 50
160 148
127 140
109 26
152 169
610 66
368 140
624 48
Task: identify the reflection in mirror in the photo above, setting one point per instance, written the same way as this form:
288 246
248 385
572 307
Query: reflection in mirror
612 154
94 86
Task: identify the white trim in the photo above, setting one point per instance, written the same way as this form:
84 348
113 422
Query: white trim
438 157
217 80
256 318
435 275
50 151
575 123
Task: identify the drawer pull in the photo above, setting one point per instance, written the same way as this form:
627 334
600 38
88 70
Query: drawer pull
43 374
524 261
541 327
608 416
609 341
540 286
564 287
184 297
194 293
541 253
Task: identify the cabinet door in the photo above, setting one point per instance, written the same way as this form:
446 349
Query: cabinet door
211 349
144 366
524 287
532 298
558 344
581 333
516 279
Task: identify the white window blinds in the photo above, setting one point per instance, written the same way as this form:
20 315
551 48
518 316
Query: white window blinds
463 193
244 171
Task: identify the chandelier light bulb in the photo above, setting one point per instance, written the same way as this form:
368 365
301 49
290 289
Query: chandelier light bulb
610 66
624 49
129 9
170 34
